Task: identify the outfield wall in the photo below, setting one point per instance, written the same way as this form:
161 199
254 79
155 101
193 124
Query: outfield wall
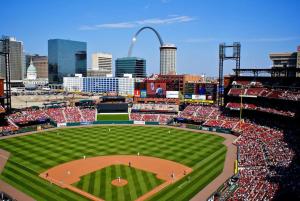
111 122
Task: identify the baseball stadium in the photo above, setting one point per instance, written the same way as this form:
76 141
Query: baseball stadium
163 137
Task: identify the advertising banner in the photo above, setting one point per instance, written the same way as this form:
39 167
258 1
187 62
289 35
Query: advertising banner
172 94
139 122
156 89
137 93
199 97
188 96
143 93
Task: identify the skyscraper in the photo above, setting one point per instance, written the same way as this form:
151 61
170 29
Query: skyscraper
17 59
66 58
168 59
41 64
101 65
131 65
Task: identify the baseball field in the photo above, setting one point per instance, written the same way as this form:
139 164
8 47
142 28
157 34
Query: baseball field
34 154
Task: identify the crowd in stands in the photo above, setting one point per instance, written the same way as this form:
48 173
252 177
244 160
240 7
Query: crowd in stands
237 106
28 116
260 149
266 92
161 118
199 113
10 127
59 115
88 115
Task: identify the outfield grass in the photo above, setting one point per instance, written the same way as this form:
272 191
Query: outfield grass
98 183
111 117
33 154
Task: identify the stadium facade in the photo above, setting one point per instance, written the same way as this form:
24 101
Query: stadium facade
120 85
66 58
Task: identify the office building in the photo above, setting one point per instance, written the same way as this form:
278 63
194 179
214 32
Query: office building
168 59
17 59
130 65
40 63
120 85
101 65
66 58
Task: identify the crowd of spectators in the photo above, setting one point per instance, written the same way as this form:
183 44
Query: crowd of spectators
161 118
26 116
88 115
237 106
10 127
59 115
266 92
260 148
199 113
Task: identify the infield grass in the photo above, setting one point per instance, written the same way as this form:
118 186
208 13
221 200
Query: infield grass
139 183
33 154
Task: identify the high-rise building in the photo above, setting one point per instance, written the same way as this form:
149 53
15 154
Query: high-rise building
41 64
66 58
168 59
131 65
101 65
17 59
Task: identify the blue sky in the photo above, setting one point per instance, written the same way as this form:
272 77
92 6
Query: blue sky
195 26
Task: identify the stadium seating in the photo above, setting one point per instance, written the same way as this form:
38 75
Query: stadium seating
28 116
199 113
236 106
161 118
11 127
59 115
88 115
259 148
266 92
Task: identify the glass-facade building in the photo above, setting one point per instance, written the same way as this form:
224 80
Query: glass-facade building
131 65
66 58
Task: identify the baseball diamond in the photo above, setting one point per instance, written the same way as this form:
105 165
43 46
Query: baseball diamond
34 154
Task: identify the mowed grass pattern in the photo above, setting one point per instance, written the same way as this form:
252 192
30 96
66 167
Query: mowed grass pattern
111 117
98 183
33 154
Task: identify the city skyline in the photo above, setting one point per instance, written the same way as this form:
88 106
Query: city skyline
196 28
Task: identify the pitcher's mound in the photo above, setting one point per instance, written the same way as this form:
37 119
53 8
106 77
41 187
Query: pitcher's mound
119 183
